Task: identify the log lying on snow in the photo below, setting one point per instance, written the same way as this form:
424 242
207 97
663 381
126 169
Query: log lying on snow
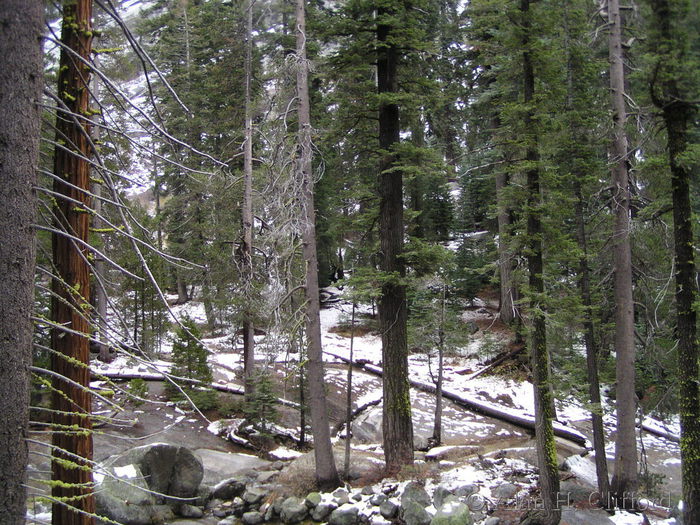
157 376
485 409
661 432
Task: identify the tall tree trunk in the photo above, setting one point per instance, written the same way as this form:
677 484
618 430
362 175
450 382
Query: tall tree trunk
100 293
437 424
584 283
71 400
348 398
20 92
584 273
247 211
669 92
541 381
326 473
396 414
508 292
624 481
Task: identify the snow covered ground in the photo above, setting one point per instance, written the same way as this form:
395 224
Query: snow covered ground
496 464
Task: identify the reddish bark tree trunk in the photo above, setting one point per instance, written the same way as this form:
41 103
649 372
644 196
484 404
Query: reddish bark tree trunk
71 400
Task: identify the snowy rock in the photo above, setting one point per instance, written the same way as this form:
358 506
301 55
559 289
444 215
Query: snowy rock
219 465
312 500
345 515
464 491
505 491
341 496
368 490
452 512
227 521
294 510
493 520
228 489
440 495
322 511
388 509
377 499
357 497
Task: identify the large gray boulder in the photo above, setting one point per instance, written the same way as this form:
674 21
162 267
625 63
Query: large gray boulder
121 494
321 511
134 488
168 469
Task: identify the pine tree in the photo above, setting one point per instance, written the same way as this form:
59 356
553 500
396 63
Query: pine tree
71 399
20 92
624 481
189 359
326 474
674 91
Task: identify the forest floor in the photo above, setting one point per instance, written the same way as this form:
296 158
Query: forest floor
487 451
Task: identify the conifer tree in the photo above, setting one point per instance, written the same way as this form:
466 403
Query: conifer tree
624 481
20 92
71 399
326 473
674 91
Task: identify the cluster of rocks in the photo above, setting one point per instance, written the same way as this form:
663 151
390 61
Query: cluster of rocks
160 482
372 505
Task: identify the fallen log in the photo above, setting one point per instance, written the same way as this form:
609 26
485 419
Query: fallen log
661 432
497 361
520 420
157 376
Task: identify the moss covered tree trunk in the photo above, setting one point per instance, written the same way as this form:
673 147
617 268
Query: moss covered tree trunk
674 92
70 304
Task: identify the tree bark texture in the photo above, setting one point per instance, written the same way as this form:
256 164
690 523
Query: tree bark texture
678 114
71 400
20 91
326 473
396 418
584 283
624 479
247 210
542 384
508 292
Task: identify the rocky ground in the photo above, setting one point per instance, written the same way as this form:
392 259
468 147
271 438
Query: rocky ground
485 463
